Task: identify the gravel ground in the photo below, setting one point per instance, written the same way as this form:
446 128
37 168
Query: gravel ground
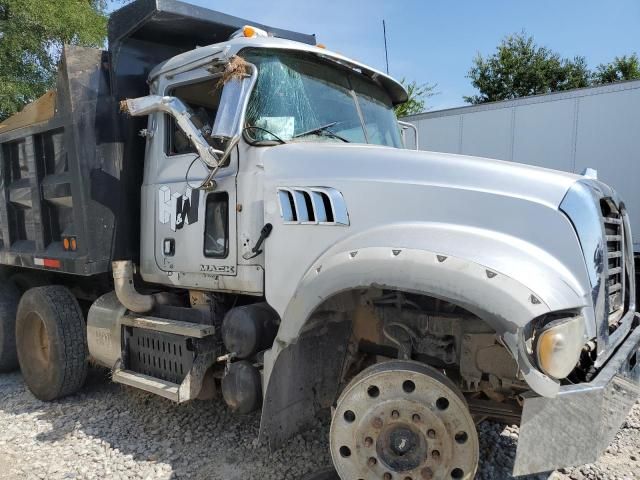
113 432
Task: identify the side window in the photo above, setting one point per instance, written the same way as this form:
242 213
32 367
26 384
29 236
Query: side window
382 127
216 227
203 98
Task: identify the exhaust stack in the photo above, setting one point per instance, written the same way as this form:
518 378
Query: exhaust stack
126 291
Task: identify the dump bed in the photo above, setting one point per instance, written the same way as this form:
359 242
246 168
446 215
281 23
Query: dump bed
71 164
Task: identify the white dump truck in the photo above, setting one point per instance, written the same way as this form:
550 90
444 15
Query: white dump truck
214 205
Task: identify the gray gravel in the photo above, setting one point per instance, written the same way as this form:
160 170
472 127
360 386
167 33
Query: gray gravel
109 431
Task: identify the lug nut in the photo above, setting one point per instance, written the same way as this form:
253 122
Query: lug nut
372 462
377 422
416 417
368 442
426 473
435 455
387 476
431 433
395 414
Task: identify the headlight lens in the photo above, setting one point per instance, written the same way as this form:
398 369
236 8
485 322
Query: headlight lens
559 345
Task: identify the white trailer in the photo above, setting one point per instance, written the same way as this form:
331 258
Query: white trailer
597 127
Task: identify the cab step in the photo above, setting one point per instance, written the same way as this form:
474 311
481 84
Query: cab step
174 327
166 357
148 384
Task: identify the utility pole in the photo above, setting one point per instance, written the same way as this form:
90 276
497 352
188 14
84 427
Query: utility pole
386 52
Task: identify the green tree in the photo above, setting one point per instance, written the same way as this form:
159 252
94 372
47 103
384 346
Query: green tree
621 68
519 68
32 33
418 94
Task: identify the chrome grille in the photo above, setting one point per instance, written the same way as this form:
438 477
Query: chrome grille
615 278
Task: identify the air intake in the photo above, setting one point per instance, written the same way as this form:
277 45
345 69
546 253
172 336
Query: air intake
312 206
616 279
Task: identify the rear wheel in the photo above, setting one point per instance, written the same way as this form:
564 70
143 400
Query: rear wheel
403 420
51 342
9 298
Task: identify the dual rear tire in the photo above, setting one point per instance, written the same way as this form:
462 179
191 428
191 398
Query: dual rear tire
45 334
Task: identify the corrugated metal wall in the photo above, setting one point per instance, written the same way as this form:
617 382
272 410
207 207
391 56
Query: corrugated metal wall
593 127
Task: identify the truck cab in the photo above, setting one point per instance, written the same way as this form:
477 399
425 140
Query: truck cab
294 256
208 232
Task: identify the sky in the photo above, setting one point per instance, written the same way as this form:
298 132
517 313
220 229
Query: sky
435 42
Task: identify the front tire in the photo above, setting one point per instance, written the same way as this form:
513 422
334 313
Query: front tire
9 298
51 341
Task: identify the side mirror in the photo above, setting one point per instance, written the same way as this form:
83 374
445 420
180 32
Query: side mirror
404 126
233 104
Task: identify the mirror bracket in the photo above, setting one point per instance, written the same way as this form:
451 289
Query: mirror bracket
409 126
180 112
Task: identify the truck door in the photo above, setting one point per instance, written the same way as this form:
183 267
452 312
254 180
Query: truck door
194 228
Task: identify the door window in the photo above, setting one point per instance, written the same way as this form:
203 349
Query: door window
216 228
203 99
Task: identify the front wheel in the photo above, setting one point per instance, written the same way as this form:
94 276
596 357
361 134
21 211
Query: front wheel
52 342
403 420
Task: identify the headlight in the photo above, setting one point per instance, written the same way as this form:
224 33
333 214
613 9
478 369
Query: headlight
559 345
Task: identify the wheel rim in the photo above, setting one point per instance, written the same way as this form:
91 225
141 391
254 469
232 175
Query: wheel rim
37 342
398 420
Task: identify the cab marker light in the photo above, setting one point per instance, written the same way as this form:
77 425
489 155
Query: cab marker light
249 31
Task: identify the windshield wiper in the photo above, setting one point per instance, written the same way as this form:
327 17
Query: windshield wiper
323 130
260 129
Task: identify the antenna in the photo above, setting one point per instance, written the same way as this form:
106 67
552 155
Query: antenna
386 52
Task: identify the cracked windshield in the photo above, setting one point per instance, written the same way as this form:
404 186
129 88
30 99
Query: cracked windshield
297 98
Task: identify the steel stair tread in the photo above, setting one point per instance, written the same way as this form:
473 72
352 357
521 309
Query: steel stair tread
148 384
165 325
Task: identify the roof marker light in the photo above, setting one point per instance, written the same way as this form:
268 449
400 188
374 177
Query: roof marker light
249 31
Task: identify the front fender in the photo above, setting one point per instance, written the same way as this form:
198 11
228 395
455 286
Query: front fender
501 301
504 303
558 278
492 275
390 257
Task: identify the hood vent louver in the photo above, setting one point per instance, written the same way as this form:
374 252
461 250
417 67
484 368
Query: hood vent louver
312 206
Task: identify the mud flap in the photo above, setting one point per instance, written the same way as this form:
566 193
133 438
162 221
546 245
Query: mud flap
305 379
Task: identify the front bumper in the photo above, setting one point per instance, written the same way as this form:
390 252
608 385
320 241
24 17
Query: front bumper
578 424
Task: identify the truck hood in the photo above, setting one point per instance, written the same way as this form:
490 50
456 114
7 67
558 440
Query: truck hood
501 215
376 163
